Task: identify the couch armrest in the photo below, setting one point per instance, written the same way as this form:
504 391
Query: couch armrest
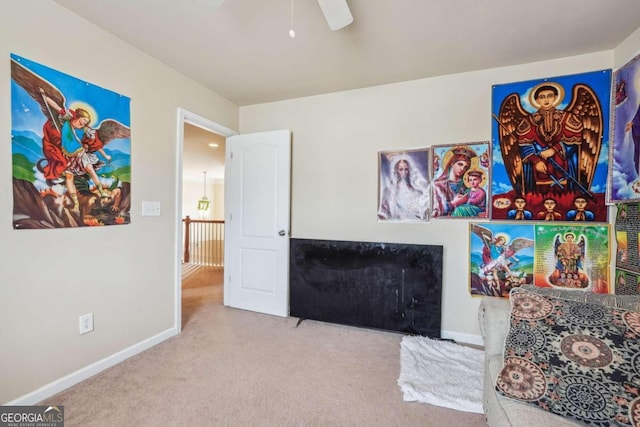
493 318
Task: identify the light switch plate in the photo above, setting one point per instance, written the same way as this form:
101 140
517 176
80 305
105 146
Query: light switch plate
150 208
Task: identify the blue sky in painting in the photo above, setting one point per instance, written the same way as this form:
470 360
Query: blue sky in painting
509 230
27 115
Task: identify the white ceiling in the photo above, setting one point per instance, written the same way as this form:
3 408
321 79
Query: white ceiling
242 51
198 156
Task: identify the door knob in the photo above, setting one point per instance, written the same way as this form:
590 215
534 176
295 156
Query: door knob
282 232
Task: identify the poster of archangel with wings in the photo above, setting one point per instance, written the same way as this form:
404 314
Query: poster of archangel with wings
551 141
71 150
501 257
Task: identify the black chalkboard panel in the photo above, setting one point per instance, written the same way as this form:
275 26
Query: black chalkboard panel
390 286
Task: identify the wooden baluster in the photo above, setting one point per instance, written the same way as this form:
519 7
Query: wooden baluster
187 226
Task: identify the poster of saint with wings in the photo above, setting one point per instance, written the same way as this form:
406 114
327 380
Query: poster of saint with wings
71 150
550 141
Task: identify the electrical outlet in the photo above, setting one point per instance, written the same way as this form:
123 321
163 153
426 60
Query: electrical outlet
86 323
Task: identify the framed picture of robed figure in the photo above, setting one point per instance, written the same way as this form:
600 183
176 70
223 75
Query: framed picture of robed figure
403 186
625 150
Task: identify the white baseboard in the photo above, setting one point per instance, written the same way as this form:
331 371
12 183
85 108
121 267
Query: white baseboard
462 338
88 371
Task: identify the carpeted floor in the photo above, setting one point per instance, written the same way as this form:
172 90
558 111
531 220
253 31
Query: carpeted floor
201 287
189 269
236 368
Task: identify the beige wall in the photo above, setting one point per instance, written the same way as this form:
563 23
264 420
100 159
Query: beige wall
192 192
125 275
335 142
218 200
627 50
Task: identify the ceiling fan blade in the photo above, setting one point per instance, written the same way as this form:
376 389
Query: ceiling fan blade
336 12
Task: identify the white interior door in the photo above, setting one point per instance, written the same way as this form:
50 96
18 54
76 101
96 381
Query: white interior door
257 195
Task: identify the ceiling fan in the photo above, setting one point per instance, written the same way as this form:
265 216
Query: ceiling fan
336 12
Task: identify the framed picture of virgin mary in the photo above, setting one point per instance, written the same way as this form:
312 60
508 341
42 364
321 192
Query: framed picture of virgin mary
460 180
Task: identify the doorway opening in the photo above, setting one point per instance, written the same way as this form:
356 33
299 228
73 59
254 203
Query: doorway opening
200 206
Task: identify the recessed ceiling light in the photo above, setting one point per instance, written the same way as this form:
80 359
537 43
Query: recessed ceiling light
213 144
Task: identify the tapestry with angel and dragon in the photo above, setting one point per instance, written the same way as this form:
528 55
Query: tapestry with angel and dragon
551 140
71 150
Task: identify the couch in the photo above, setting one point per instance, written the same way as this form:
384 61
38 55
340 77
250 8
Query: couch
494 322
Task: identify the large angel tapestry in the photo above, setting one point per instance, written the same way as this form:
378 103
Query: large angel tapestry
551 142
625 150
71 150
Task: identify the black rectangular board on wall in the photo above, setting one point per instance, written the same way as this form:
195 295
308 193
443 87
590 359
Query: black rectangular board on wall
390 286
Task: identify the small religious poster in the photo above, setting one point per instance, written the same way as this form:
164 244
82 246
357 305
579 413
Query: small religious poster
71 150
625 149
403 186
627 257
460 180
627 283
550 141
574 257
501 257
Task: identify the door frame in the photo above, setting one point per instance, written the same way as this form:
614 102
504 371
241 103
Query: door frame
185 116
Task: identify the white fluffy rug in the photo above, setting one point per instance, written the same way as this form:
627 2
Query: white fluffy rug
441 373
